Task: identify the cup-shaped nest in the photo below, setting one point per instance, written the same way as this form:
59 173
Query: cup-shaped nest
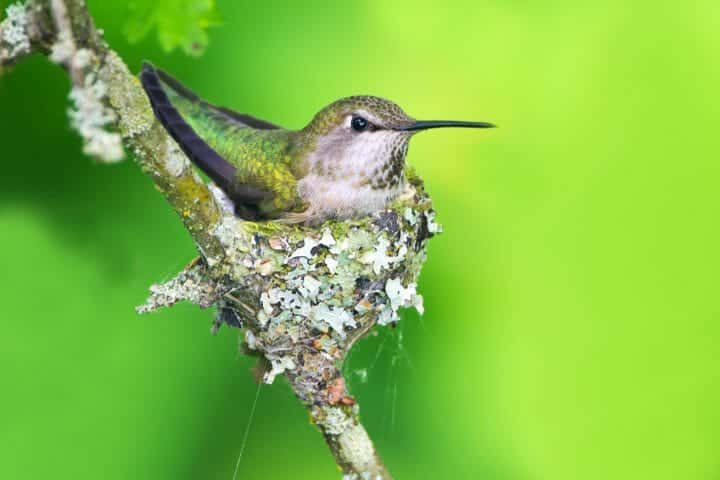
295 288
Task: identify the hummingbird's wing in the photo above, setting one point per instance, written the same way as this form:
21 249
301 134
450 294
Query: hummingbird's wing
204 133
221 114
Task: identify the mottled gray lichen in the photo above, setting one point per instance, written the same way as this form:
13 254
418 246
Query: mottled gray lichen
14 39
63 49
190 285
89 114
176 161
90 117
335 420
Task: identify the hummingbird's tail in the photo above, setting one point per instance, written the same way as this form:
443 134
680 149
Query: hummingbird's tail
157 84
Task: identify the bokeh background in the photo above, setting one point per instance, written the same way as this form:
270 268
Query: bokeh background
572 307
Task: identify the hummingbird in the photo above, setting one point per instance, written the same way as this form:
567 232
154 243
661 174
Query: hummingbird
348 162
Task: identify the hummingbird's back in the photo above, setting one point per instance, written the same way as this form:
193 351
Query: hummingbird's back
250 159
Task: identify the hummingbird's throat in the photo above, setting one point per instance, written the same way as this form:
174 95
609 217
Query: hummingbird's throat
356 175
390 173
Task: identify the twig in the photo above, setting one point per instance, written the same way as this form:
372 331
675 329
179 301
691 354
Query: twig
336 414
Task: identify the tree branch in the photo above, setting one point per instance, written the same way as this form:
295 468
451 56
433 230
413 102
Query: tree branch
321 387
304 295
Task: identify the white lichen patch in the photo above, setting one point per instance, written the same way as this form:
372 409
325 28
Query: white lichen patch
432 226
189 285
226 232
222 200
175 161
387 316
306 250
250 340
409 216
82 59
327 238
63 49
399 295
335 421
356 447
278 366
336 318
89 116
331 264
90 113
15 40
311 286
379 258
239 245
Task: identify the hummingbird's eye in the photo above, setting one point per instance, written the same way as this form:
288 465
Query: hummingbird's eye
358 123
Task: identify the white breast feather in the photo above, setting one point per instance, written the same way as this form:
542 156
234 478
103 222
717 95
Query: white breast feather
345 192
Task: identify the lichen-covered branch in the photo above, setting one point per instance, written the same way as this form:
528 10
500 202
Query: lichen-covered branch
160 157
319 384
304 295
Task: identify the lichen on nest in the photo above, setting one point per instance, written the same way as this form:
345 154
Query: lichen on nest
299 290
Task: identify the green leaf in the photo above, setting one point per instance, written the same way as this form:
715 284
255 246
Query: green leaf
179 23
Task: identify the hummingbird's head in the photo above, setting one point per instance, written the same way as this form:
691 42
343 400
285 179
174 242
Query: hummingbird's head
366 138
354 155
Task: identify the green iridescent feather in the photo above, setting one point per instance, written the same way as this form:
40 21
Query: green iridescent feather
263 157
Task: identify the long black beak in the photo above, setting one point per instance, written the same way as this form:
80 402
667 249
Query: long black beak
425 124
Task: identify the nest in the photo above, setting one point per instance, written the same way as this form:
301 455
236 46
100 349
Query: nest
305 295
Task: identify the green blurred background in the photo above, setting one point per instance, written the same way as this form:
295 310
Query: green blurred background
571 327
